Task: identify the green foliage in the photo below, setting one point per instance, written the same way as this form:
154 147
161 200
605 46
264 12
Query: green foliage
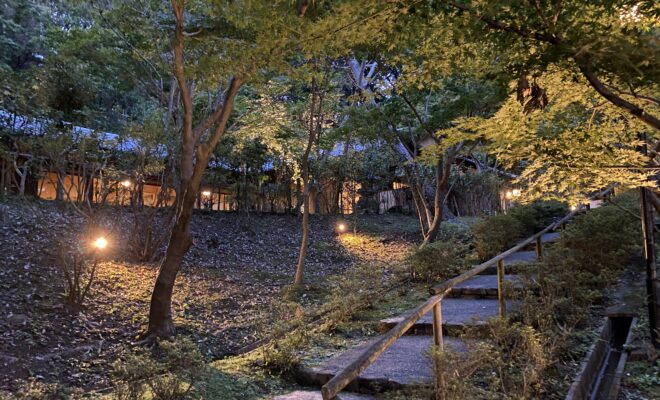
645 376
522 356
495 233
602 240
454 370
438 261
352 292
170 372
537 215
283 356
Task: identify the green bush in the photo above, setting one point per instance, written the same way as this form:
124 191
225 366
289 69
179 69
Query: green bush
548 211
495 233
438 261
602 240
169 372
459 231
282 356
528 218
537 215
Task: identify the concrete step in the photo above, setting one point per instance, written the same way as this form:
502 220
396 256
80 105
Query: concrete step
515 263
521 257
550 237
407 362
457 314
484 286
316 395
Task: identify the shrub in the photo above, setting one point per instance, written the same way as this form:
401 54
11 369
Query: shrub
493 234
79 271
169 372
282 357
438 261
456 231
537 215
528 218
548 211
454 369
351 292
521 357
602 240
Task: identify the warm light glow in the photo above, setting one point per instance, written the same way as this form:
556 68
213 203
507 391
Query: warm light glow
573 208
101 243
341 227
126 183
509 194
206 193
516 192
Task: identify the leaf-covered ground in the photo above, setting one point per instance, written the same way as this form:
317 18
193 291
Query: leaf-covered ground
235 270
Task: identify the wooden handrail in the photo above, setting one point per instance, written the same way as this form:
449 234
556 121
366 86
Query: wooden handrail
482 267
369 355
448 284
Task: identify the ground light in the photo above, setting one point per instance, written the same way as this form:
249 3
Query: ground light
512 193
341 227
126 184
100 243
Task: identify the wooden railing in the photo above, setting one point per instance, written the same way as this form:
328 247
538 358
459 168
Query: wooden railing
369 355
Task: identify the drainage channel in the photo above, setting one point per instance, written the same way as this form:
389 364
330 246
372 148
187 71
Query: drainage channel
600 374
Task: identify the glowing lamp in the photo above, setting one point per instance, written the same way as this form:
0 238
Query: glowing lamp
206 193
100 243
509 194
516 192
126 183
341 227
573 208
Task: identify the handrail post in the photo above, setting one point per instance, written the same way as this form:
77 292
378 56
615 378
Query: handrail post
437 326
500 288
539 248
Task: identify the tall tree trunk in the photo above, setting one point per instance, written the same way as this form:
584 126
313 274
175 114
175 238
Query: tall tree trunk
195 154
442 172
306 188
160 312
305 238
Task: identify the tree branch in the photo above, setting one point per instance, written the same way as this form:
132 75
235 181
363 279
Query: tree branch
616 100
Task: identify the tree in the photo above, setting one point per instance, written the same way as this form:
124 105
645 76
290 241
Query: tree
249 30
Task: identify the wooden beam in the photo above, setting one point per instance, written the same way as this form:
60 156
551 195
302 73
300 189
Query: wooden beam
352 371
500 289
437 326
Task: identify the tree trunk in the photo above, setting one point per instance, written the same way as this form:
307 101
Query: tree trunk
442 172
195 154
160 313
305 238
306 188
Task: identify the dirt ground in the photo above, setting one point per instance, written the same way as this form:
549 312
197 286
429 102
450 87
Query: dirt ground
235 269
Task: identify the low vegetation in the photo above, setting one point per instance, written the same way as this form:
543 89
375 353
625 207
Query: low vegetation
535 355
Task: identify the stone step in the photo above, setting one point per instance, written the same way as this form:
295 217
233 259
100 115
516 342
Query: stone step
521 257
550 237
484 286
310 395
405 363
457 314
515 263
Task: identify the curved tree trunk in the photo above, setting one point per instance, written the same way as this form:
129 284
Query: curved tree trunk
195 154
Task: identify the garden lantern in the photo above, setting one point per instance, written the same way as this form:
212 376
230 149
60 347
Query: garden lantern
100 243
